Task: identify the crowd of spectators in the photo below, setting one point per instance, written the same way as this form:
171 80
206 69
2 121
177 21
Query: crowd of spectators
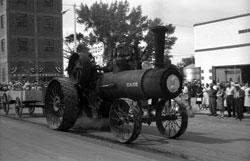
23 85
229 96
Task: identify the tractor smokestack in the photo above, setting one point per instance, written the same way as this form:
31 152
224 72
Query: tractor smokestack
159 40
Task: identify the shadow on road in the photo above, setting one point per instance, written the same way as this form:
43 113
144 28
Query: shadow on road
203 138
144 143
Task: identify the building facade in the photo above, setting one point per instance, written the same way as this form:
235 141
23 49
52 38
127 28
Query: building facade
222 49
191 73
30 40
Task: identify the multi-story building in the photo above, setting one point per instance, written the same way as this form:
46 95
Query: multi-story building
222 49
30 39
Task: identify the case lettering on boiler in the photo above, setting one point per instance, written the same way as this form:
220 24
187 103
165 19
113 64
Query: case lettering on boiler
132 84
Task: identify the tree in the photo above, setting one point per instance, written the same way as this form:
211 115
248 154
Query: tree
186 61
82 46
122 30
169 41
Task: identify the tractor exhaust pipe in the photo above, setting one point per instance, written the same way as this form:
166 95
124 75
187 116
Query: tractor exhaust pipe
159 43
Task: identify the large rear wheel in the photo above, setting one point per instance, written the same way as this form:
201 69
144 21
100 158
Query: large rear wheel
125 120
61 104
172 118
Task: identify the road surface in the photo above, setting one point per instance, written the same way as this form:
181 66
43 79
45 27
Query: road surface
206 139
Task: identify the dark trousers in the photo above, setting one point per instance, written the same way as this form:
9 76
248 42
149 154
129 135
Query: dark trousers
234 107
239 107
212 105
229 101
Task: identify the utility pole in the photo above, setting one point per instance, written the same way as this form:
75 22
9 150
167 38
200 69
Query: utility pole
74 12
75 28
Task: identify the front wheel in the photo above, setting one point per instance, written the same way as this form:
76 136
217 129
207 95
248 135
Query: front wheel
172 118
6 105
125 120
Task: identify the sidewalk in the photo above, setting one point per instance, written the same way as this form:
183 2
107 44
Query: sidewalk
197 111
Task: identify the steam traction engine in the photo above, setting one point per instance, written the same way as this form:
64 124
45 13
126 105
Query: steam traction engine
128 98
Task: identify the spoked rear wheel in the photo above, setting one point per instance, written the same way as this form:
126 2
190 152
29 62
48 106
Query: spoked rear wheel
172 118
6 105
61 104
125 120
18 107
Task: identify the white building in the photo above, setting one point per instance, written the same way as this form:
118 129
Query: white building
222 49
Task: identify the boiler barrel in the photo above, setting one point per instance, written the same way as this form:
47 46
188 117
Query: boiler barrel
141 84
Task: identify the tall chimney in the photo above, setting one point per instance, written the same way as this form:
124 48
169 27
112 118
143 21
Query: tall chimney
159 40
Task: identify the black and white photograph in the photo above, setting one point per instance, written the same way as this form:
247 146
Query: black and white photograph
124 80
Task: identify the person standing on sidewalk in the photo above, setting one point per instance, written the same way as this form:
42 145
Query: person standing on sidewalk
212 100
229 98
220 100
247 98
186 93
205 99
199 95
239 98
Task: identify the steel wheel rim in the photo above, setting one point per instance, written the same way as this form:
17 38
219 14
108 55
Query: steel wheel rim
55 105
125 121
177 122
6 106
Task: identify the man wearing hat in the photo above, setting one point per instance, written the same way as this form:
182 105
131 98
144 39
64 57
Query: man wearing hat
212 100
239 98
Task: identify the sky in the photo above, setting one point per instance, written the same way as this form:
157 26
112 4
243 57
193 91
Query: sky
181 13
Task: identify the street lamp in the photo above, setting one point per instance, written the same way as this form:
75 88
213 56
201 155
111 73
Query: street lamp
74 10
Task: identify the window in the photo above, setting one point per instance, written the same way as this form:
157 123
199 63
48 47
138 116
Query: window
210 70
210 77
2 21
202 78
48 3
3 44
22 20
49 45
1 2
202 71
244 31
21 2
22 44
48 22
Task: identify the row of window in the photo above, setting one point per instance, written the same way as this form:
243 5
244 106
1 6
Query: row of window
2 21
22 44
22 21
210 71
47 3
244 31
210 78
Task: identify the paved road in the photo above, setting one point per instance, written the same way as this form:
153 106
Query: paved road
24 141
207 138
